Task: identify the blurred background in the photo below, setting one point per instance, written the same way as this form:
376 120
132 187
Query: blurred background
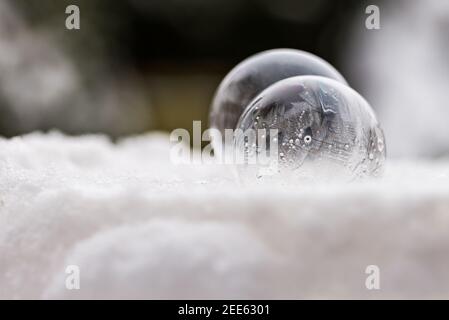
142 65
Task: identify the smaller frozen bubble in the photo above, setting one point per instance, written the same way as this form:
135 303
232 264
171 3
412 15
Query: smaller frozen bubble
257 73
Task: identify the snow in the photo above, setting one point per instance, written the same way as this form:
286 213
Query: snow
140 227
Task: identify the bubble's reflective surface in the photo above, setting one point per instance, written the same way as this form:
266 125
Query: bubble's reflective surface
324 130
255 74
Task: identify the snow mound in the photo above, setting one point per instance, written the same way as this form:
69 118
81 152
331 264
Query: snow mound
138 226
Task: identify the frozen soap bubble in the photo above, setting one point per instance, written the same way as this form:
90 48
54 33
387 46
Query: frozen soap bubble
325 130
255 74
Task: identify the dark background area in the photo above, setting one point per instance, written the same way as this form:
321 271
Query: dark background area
142 65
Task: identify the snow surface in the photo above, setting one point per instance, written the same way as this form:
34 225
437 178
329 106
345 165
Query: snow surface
141 227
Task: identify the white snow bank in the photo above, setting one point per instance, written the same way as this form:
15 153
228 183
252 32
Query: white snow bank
140 227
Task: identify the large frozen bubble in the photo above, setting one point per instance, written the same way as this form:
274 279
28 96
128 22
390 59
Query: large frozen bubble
309 127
